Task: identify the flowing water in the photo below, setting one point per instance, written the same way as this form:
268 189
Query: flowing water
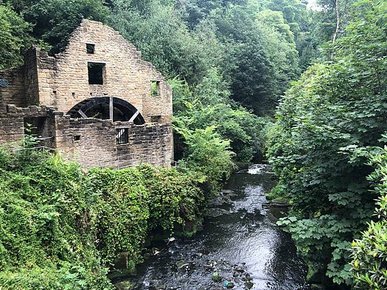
240 247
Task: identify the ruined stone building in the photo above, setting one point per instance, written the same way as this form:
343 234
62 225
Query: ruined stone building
97 102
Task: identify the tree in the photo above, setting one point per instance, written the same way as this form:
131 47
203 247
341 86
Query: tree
14 37
280 45
246 65
54 20
333 18
335 108
166 41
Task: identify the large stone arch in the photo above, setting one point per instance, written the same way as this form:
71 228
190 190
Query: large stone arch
112 108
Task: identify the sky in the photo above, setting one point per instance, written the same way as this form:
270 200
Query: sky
312 4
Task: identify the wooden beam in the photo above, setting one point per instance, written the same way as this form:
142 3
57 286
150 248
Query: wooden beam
83 115
111 109
120 132
134 116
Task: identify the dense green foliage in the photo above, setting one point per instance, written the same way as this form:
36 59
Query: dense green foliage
47 216
369 258
61 228
207 155
54 20
327 125
254 45
209 105
163 38
13 37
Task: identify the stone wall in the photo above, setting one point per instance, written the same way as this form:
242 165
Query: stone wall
152 144
20 86
64 82
14 120
92 143
42 91
12 88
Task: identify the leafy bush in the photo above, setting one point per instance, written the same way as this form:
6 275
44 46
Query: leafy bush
43 208
209 104
65 276
121 211
369 254
175 199
61 228
208 156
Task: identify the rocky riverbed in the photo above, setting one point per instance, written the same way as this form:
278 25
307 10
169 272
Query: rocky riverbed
240 247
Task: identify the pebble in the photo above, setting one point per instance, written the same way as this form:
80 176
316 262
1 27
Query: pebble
216 277
228 284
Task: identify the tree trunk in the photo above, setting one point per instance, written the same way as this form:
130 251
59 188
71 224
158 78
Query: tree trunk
337 21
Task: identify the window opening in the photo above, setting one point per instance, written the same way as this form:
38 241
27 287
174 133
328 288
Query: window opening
90 48
77 137
96 71
39 129
35 127
122 136
155 119
155 88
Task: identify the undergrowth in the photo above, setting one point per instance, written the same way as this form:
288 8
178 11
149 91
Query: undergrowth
62 227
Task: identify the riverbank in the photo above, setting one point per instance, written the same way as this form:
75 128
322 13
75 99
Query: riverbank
63 227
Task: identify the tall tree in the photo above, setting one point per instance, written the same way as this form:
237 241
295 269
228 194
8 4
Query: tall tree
336 108
332 19
166 41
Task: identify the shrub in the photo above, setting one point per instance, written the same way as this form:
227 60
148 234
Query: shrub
61 228
369 254
208 156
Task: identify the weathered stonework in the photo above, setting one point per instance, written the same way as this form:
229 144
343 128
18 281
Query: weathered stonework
97 102
93 142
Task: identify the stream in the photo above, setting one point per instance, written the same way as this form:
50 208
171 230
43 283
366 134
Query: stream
240 247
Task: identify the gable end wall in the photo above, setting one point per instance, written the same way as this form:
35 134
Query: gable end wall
127 76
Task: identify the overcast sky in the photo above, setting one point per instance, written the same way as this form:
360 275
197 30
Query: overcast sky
312 4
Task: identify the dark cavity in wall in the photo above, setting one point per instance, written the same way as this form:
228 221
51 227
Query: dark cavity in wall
34 126
122 136
155 119
96 73
38 128
90 48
